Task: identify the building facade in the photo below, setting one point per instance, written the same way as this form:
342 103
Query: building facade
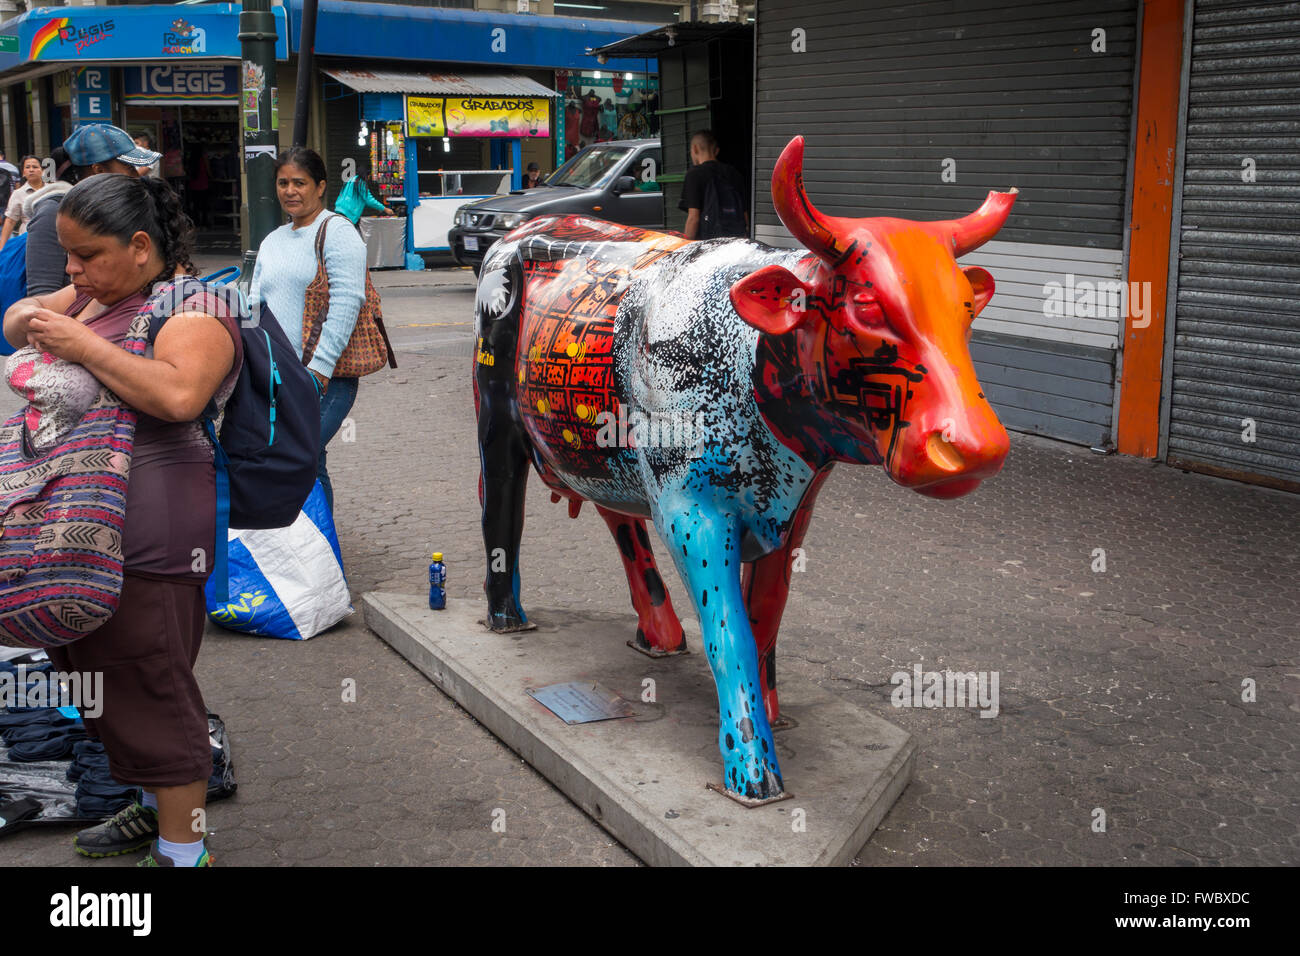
491 92
1148 281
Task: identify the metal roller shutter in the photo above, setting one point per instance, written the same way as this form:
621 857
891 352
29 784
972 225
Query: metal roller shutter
1236 344
342 123
1013 93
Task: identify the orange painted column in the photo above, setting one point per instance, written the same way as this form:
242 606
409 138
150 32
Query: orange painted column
1150 224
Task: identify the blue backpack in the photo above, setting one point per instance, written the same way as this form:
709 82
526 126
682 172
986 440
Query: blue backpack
13 277
267 450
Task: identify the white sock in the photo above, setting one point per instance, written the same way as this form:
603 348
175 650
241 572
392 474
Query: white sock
182 854
149 800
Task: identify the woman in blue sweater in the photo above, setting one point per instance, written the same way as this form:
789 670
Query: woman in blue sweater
286 265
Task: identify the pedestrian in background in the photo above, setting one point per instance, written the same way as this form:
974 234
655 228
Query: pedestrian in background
533 178
713 193
9 178
88 151
123 234
145 141
33 179
286 266
355 198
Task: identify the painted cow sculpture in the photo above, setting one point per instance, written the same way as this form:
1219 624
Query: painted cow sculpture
711 386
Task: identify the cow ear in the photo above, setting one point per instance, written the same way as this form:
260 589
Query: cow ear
981 284
771 300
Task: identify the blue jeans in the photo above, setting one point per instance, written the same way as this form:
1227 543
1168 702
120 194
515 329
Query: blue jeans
334 407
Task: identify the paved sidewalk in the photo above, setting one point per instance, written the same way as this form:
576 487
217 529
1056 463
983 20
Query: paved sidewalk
1120 691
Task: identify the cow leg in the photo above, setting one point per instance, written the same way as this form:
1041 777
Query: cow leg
503 458
502 444
659 633
766 586
706 550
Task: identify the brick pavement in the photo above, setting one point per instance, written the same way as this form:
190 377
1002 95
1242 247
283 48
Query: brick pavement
1119 690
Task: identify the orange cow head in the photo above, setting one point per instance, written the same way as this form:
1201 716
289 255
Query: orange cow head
876 328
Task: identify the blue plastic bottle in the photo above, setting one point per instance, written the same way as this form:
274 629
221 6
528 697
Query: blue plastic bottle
437 583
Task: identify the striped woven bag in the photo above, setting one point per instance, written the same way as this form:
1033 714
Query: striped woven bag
61 517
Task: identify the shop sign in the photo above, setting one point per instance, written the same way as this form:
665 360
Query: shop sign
507 116
61 39
183 37
93 108
182 85
62 89
141 33
93 101
424 116
498 116
8 43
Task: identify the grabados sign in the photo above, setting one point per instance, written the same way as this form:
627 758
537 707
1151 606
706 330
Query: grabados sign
424 116
507 116
498 116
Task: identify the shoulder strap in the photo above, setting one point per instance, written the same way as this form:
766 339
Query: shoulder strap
221 546
320 237
179 291
312 330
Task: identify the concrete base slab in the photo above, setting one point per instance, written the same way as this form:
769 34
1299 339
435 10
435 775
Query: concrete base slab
644 778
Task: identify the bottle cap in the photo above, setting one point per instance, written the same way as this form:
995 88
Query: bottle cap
437 555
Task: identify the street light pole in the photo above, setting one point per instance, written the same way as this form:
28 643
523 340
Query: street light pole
257 37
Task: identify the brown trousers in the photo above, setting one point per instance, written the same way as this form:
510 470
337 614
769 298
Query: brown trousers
154 724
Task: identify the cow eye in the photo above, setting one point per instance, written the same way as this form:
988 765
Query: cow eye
865 310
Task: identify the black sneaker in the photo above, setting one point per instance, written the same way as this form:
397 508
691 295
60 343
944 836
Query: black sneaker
129 830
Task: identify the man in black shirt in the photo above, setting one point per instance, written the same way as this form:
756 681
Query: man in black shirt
713 194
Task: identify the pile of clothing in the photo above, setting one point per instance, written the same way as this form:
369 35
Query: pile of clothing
35 786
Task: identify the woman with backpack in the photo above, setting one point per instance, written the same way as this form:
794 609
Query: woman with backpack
355 198
123 235
287 264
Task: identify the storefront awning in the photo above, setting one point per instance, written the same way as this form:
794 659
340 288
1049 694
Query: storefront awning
678 36
48 39
392 31
440 84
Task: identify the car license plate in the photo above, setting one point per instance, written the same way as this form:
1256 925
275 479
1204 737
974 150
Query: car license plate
471 244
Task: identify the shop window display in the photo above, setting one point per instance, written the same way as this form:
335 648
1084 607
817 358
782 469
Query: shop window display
601 106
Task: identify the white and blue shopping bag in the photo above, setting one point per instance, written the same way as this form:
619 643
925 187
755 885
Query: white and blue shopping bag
284 582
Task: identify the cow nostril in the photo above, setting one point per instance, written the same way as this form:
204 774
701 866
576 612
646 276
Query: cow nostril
944 454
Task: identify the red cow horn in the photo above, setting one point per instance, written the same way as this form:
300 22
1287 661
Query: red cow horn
971 232
805 223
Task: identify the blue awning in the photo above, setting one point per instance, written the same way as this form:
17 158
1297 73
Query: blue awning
62 37
391 32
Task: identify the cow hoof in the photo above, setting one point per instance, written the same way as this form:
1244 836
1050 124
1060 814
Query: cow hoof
650 650
505 622
510 629
749 802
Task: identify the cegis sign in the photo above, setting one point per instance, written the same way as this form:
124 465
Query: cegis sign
189 85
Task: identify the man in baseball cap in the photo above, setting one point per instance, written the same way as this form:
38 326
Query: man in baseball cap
100 148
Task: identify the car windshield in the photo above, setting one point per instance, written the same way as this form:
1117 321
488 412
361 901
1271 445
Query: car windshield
588 168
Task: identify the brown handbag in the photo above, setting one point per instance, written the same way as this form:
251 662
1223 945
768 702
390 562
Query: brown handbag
369 349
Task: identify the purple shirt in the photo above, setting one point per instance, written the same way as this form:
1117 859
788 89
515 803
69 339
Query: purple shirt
171 493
